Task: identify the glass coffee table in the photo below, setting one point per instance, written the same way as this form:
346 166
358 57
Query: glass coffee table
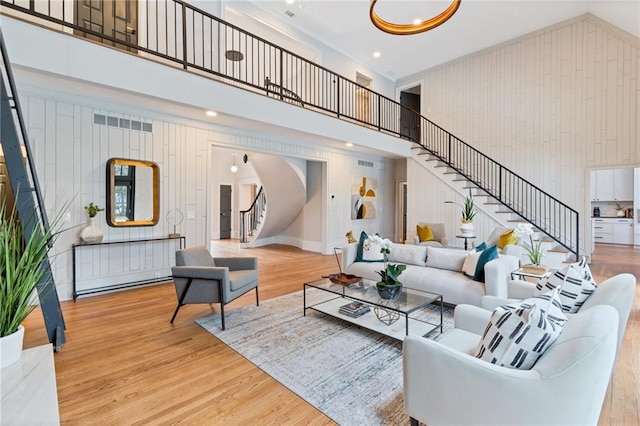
407 307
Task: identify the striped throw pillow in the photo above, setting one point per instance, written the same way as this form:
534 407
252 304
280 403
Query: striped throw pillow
575 282
518 334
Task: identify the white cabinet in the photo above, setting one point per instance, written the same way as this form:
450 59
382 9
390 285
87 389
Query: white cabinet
612 185
613 231
602 231
623 184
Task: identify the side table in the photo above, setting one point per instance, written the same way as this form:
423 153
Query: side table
466 239
522 275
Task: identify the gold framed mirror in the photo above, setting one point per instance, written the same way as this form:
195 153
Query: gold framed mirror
133 192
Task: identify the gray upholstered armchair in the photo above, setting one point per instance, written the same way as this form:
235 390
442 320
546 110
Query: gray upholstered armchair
200 278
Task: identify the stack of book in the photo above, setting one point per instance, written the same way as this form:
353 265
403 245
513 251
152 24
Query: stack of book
354 309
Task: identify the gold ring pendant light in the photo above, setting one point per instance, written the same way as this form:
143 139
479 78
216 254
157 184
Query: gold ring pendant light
409 29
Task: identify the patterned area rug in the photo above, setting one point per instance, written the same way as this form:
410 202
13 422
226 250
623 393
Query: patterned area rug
351 374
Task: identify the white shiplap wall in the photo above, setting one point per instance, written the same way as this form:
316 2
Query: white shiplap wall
549 106
71 154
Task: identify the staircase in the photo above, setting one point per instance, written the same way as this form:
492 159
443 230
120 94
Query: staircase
251 218
276 72
555 255
27 194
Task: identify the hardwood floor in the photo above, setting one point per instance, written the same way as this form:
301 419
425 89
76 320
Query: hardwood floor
123 362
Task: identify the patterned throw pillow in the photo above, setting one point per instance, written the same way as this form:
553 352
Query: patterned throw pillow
575 282
517 335
549 303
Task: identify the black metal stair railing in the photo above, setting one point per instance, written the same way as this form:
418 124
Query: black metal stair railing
177 33
252 217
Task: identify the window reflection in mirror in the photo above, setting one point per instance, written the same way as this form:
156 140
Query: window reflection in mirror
132 192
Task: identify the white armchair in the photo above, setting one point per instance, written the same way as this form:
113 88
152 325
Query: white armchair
444 384
617 292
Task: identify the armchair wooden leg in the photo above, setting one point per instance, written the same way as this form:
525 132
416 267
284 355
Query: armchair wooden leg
414 422
257 300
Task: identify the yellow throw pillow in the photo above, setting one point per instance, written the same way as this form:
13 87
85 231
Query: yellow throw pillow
509 237
425 233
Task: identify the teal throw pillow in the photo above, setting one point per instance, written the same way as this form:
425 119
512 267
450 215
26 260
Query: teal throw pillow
487 255
360 250
482 246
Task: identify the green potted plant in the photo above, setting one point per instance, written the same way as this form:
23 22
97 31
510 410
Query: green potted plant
534 249
389 285
20 273
468 213
92 234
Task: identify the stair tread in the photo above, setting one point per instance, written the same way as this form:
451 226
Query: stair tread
492 203
450 173
462 180
559 249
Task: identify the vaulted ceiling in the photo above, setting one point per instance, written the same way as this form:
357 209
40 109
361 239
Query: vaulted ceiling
478 24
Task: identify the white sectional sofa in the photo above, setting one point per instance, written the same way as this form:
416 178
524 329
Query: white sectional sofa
437 270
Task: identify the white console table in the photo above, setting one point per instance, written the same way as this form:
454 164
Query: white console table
28 387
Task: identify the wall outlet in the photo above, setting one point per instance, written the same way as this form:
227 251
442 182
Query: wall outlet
156 275
191 215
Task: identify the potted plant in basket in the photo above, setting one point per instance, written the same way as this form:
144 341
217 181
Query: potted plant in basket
468 213
20 273
389 285
534 250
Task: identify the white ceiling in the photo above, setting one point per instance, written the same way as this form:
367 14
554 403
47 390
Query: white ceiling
345 26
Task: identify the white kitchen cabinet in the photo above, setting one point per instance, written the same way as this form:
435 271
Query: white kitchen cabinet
602 231
604 185
613 231
612 185
623 184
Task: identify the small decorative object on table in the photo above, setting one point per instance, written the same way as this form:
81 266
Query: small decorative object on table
354 309
350 238
174 217
389 286
468 213
91 233
534 250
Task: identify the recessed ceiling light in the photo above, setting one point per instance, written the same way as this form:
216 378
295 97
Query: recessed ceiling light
289 1
417 21
349 144
211 113
376 54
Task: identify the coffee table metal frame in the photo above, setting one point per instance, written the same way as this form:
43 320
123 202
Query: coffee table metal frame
409 302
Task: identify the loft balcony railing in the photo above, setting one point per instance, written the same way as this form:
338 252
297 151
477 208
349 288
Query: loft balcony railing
178 34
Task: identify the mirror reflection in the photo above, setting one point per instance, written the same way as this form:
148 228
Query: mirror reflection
132 192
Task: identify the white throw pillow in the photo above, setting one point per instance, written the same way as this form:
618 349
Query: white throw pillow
443 258
470 263
575 282
518 334
408 254
371 252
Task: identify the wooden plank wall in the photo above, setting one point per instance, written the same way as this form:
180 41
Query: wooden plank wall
550 106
